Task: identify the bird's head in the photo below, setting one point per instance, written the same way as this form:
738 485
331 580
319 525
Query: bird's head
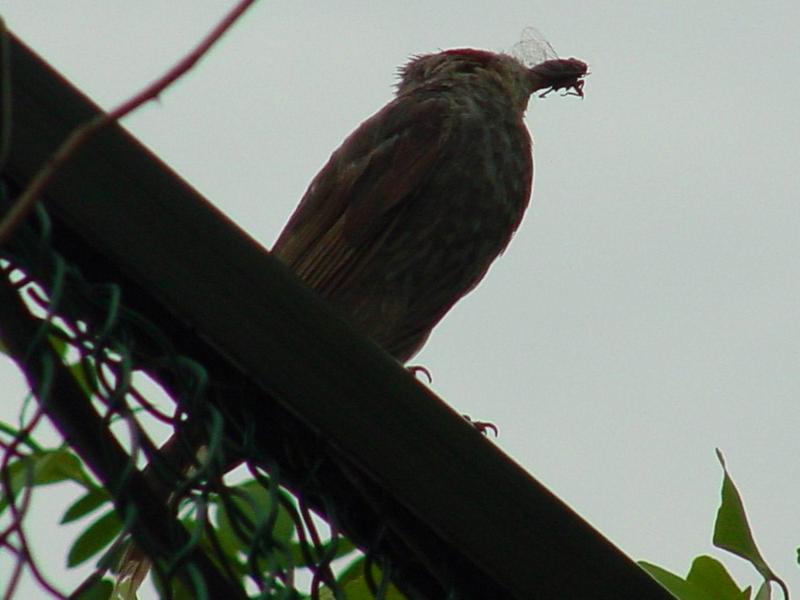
466 67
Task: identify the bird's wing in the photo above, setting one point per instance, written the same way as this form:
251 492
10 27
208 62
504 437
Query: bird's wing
349 206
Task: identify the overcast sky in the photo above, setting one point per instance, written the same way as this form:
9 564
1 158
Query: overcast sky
648 309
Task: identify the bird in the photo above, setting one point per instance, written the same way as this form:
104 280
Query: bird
411 210
409 213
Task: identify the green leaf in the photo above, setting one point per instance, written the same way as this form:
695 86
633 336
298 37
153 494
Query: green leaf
357 589
676 585
343 548
732 531
44 468
87 503
231 550
180 591
710 575
79 372
255 502
98 535
99 590
59 465
354 583
59 345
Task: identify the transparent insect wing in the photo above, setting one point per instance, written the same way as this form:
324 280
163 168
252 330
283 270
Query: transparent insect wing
532 48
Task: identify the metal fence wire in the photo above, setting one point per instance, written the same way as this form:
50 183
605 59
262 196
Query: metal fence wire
112 381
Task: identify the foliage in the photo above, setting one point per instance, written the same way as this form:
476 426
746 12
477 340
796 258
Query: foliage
707 577
255 511
47 466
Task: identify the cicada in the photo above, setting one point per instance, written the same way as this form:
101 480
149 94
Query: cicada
555 73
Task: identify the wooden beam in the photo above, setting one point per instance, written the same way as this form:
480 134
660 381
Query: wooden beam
197 266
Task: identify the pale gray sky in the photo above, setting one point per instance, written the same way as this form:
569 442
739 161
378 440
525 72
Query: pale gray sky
649 308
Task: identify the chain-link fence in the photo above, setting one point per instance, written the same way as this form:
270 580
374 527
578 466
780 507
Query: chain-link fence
87 355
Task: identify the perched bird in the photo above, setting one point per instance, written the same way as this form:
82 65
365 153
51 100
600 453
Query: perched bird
411 210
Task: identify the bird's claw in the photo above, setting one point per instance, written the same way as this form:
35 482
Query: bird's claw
415 370
482 426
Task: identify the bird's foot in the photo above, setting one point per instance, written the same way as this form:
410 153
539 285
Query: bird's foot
415 370
482 426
